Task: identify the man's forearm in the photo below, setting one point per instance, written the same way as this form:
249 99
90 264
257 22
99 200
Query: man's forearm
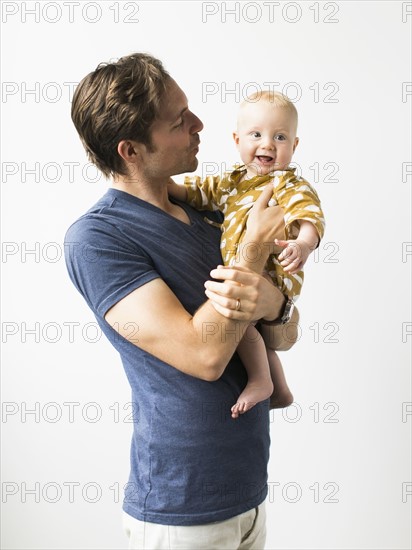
254 255
257 244
217 338
225 331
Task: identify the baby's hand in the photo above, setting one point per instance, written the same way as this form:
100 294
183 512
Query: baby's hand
177 191
295 254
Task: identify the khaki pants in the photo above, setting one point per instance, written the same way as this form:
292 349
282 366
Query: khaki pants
246 531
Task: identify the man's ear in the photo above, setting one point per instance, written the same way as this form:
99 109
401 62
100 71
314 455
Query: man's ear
295 144
128 150
236 139
131 154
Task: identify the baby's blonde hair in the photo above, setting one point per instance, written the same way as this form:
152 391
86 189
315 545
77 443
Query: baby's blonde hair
277 99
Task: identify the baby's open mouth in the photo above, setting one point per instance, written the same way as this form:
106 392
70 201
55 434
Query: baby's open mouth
264 159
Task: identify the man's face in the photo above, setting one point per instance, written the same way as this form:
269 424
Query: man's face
266 137
174 138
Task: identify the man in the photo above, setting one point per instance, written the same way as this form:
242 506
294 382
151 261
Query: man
148 268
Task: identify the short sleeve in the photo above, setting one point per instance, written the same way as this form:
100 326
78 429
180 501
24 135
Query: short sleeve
300 201
203 195
103 264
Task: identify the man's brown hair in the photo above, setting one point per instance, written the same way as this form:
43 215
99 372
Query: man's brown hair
117 101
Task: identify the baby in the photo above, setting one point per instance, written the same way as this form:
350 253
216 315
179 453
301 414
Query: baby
266 140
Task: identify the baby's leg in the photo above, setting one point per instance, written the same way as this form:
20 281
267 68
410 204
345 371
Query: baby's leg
281 396
282 337
252 351
279 338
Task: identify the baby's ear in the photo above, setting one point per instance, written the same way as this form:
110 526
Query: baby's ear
236 138
296 143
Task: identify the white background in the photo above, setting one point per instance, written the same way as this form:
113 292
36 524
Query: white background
340 471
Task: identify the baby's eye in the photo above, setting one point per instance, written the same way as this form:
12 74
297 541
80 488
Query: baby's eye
280 137
255 134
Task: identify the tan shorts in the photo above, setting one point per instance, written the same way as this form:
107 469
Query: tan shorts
246 531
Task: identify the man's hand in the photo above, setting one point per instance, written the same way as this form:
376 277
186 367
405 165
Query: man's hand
265 223
243 295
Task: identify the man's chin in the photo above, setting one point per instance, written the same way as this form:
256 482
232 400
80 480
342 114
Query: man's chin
190 167
193 164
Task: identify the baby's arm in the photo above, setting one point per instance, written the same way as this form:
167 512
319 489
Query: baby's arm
297 251
203 195
177 191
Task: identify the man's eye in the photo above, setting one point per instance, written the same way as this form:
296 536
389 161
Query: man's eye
179 124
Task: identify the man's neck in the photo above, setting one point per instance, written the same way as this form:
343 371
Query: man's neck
155 194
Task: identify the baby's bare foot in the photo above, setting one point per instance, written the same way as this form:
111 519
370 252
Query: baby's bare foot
252 394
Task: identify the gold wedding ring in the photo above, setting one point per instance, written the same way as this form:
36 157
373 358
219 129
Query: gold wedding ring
237 304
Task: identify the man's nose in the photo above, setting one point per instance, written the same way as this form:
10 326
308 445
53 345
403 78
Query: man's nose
197 124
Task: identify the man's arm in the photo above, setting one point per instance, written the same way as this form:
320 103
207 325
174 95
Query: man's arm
200 345
264 226
253 254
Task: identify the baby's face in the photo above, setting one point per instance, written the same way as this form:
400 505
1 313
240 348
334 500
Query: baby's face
265 137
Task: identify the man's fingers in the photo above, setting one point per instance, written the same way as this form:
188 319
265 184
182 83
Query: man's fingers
221 299
233 308
230 313
264 197
228 291
240 275
227 267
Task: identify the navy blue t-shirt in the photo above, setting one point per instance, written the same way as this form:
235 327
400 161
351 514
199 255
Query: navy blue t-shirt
191 463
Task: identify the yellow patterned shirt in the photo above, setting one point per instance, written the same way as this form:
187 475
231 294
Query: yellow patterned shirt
234 198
